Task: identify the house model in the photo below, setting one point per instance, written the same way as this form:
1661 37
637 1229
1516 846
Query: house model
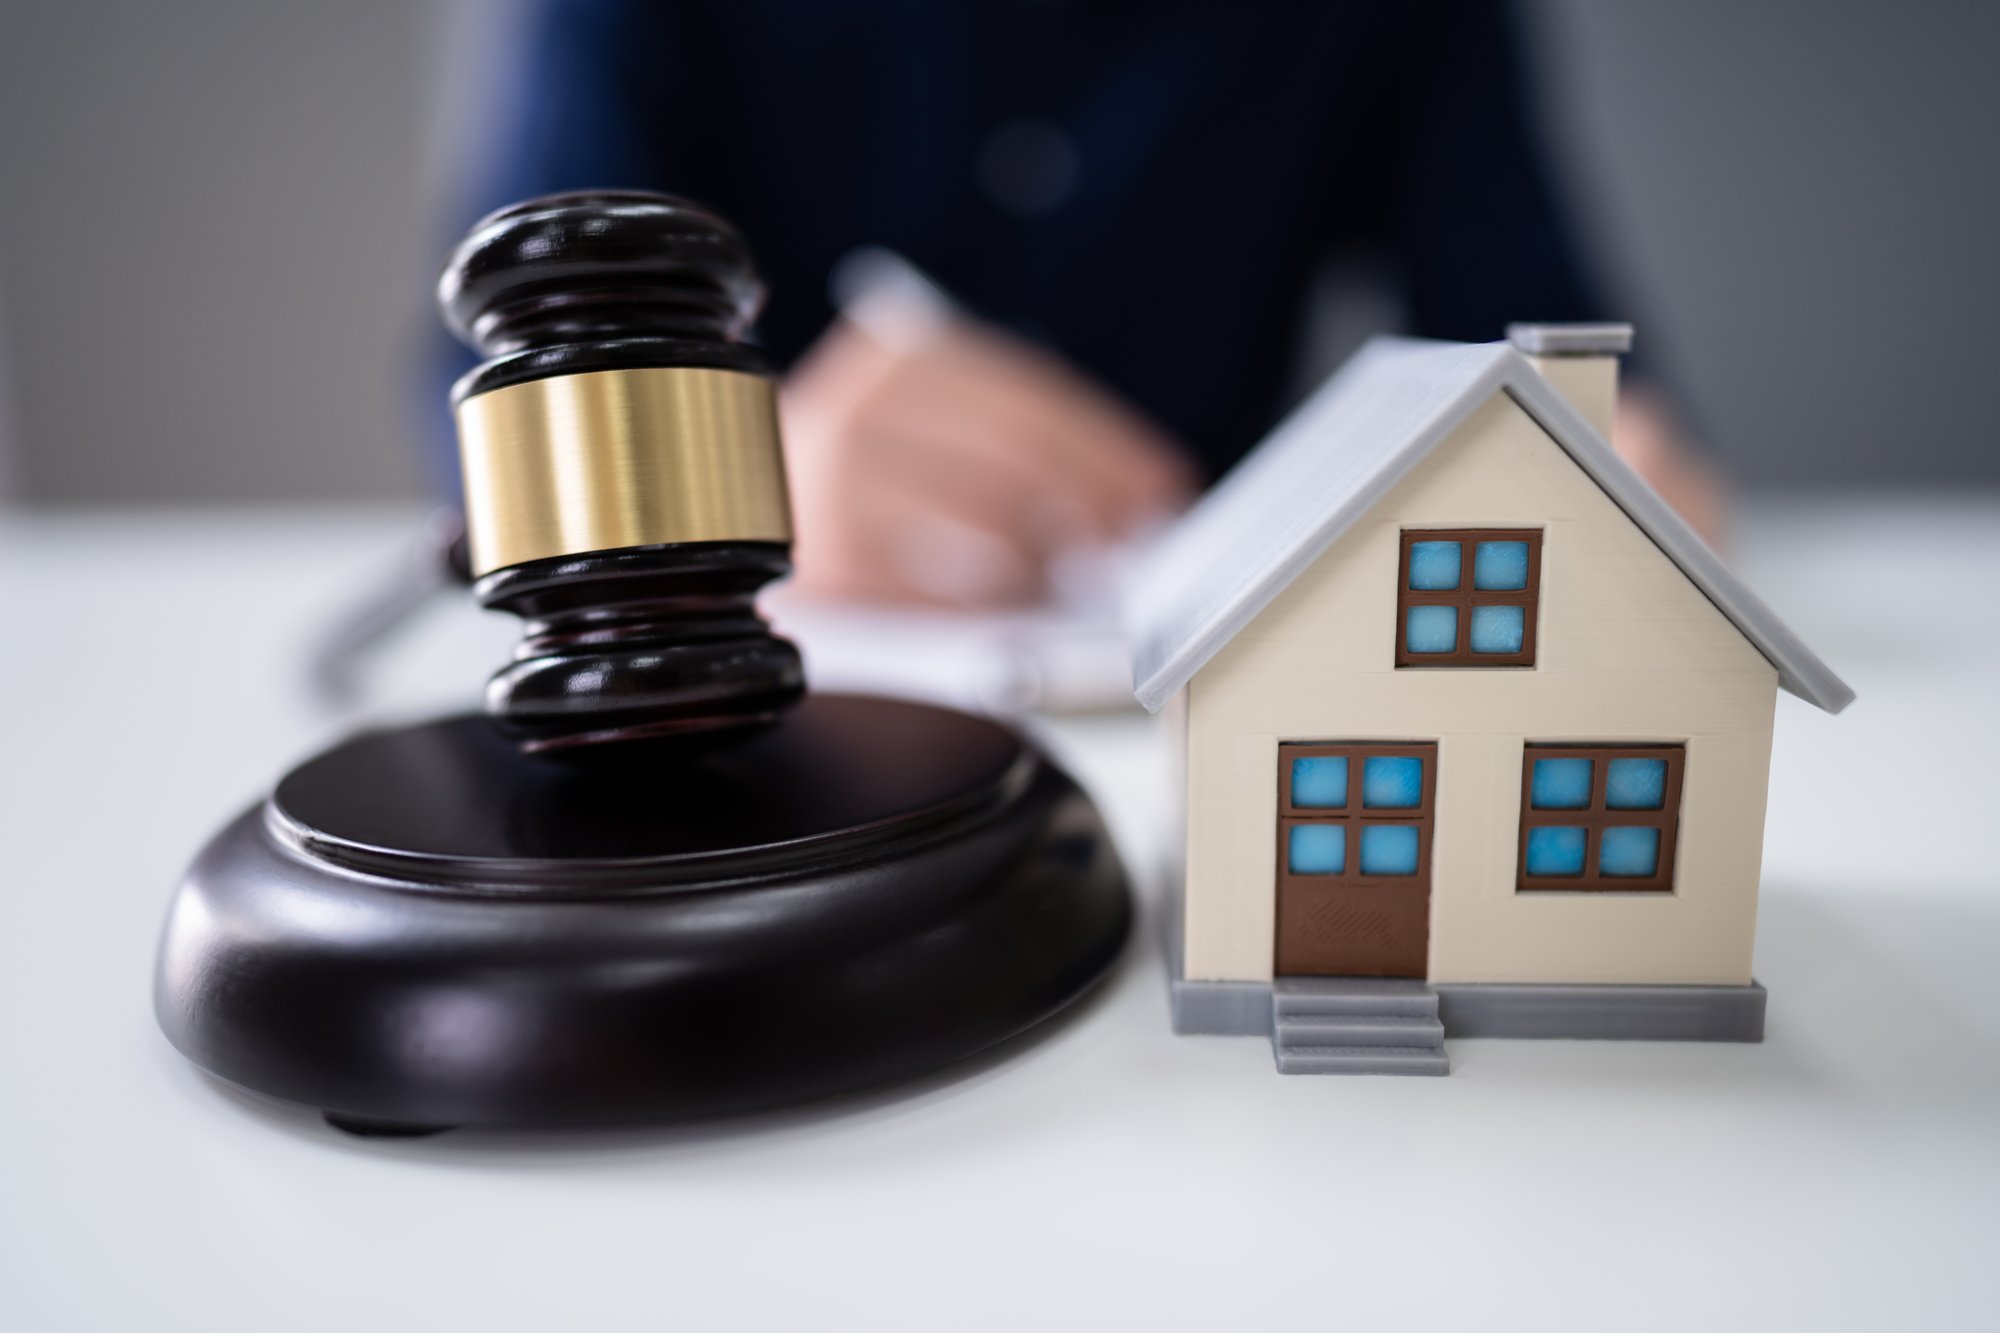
1477 730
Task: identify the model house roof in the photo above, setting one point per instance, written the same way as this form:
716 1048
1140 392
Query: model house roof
1338 454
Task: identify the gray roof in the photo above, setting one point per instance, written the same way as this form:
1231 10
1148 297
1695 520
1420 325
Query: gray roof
1328 464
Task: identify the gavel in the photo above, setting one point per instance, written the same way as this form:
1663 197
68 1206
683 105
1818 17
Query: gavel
624 483
727 895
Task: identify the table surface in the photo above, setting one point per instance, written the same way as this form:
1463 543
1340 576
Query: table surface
1104 1172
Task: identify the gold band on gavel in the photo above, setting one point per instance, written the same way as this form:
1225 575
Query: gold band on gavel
615 458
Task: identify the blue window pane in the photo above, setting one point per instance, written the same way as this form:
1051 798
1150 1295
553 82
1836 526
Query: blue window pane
1317 849
1629 851
1555 851
1434 566
1497 629
1498 566
1636 784
1392 783
1319 782
1562 784
1389 849
1431 629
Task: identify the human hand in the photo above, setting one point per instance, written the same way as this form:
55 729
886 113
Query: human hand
1646 435
954 465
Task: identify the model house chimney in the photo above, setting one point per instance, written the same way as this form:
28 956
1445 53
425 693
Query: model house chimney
1581 360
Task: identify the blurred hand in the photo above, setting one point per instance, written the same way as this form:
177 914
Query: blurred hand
953 466
1646 436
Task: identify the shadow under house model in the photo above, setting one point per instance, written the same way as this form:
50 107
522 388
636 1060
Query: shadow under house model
1477 731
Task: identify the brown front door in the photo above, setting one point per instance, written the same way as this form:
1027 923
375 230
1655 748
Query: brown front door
1354 858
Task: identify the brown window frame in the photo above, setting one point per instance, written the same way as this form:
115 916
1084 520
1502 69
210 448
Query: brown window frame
1595 818
1465 597
1354 815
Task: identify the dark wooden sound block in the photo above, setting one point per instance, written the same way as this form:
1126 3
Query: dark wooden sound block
423 928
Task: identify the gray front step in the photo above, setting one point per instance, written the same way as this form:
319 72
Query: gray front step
1359 1030
1353 995
1356 1025
1362 1060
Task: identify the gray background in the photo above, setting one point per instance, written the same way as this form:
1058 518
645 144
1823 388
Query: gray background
220 219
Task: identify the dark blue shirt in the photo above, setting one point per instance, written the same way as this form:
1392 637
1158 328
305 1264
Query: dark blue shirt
1148 188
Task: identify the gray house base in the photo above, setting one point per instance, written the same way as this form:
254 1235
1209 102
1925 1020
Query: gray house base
1361 1025
1595 1013
1605 1013
1221 1008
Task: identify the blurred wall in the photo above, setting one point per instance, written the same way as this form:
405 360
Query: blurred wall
1799 197
212 245
216 236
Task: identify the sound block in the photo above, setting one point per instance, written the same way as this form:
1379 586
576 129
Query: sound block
424 928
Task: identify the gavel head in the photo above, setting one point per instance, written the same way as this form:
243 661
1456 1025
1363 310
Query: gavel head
624 486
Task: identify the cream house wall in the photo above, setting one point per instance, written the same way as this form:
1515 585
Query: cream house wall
1628 650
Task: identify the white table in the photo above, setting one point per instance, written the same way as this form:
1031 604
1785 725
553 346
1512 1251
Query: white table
1109 1174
